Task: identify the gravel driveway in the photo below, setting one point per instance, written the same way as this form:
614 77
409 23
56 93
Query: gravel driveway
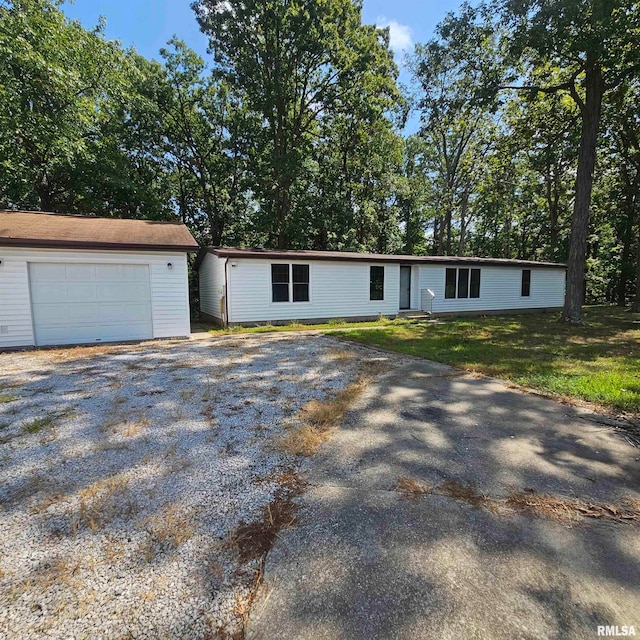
124 471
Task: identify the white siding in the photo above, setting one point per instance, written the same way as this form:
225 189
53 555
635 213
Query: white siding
337 290
212 286
169 288
499 289
15 303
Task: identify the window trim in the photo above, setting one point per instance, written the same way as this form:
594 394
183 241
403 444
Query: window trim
290 300
456 283
522 293
384 283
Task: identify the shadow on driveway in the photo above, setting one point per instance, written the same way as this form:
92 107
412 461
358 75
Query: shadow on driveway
366 563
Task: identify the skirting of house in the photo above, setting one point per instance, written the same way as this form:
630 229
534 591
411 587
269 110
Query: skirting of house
416 314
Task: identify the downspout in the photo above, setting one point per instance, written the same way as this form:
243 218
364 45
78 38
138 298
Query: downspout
226 293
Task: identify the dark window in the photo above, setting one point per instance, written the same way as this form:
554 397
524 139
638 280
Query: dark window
376 283
475 283
280 282
463 283
300 282
450 284
525 290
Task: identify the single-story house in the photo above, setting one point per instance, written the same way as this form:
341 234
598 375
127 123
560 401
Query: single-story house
252 286
76 279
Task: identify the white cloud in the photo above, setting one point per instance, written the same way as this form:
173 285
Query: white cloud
399 34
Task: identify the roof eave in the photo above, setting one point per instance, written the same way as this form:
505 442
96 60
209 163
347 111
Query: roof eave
26 243
267 254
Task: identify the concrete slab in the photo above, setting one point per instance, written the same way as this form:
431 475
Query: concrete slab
367 563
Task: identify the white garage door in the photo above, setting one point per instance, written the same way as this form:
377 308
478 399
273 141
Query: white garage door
76 303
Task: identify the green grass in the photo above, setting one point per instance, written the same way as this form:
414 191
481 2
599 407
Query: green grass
298 326
598 362
36 425
5 399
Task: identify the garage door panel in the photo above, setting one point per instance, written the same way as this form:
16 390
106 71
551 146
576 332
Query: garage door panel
49 292
108 272
111 312
76 303
51 314
80 272
80 293
135 273
47 272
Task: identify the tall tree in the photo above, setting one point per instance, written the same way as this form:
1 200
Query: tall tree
294 63
53 77
584 48
592 43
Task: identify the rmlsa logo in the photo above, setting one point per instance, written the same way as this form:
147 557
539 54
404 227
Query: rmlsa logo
615 631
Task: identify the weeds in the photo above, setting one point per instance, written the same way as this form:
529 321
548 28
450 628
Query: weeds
38 424
411 489
166 531
102 502
8 398
567 511
320 417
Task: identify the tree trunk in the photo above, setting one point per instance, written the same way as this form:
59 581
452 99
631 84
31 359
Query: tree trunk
635 307
576 265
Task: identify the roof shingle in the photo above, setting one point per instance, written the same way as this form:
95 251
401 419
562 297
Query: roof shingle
59 231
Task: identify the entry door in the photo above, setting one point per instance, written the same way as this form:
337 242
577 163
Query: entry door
81 303
405 287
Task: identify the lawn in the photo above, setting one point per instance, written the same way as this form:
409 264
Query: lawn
598 362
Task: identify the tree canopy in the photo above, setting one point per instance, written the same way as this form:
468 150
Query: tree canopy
290 133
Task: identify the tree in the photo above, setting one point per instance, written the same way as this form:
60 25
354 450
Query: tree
584 48
54 75
458 132
592 43
203 126
295 64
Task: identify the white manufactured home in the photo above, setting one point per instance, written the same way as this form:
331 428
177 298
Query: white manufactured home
247 286
78 280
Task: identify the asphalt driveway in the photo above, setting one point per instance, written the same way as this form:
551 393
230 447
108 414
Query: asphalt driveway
368 561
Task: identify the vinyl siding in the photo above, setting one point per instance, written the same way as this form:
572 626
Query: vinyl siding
337 290
15 302
169 288
212 287
499 289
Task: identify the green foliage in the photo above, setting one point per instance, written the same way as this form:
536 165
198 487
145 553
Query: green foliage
321 85
288 135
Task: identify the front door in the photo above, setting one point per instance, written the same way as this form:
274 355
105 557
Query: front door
405 287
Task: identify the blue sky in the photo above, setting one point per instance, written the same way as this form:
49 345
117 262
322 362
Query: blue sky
148 24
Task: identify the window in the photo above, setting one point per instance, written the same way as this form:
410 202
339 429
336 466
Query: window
525 289
462 283
376 283
280 282
292 278
450 284
300 282
475 283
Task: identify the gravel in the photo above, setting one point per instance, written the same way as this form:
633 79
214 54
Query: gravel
124 470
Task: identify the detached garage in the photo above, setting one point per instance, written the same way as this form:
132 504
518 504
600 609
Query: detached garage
77 279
